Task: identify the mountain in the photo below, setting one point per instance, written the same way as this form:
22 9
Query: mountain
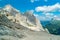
17 26
9 29
27 19
53 27
45 23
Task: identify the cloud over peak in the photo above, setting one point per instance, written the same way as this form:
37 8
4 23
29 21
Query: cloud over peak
50 11
48 8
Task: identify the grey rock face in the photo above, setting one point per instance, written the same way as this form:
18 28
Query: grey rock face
9 30
30 17
27 19
15 29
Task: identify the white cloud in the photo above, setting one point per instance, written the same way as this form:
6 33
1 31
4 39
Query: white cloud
49 15
43 18
31 11
37 0
33 1
36 15
48 8
49 11
56 17
40 17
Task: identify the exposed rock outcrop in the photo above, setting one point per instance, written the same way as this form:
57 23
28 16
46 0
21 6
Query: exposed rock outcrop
27 19
17 26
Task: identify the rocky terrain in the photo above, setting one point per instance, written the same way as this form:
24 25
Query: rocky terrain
17 26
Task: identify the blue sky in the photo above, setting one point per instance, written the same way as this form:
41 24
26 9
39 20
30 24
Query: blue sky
43 9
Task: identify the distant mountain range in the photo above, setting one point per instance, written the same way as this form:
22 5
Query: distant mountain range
44 22
52 26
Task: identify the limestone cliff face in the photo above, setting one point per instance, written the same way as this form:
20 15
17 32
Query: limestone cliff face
14 25
17 26
33 20
27 19
10 30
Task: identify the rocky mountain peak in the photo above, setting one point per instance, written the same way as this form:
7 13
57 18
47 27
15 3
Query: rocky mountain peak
27 19
8 7
27 13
